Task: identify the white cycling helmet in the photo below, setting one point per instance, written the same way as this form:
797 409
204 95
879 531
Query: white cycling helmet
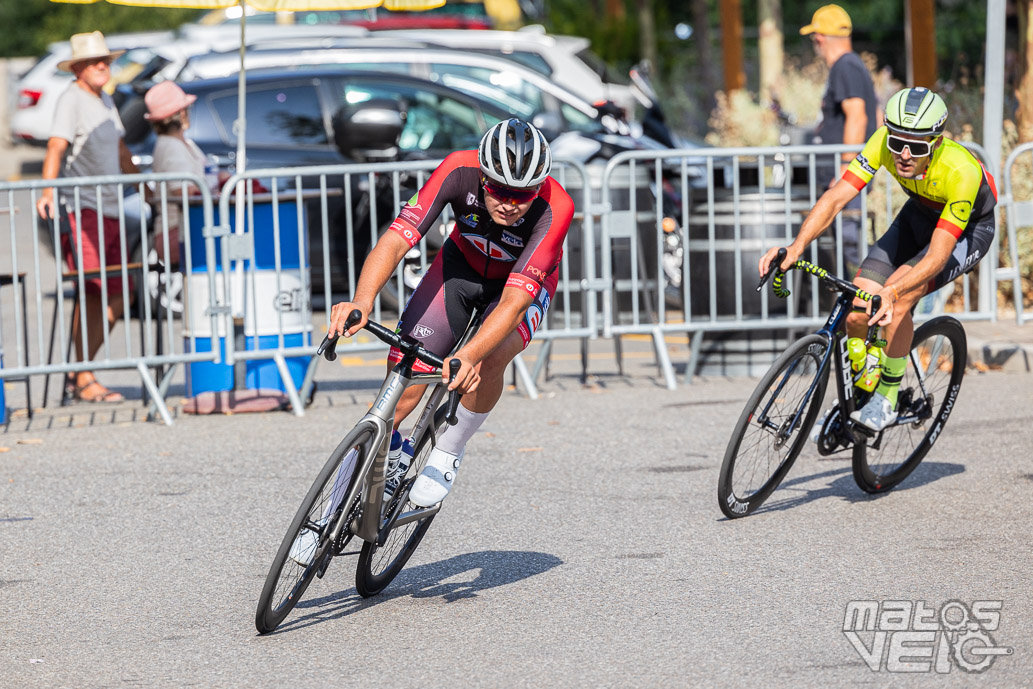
515 154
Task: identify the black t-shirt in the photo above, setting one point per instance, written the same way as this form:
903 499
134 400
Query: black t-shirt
848 78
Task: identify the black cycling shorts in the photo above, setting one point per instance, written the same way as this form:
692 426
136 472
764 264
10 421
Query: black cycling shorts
907 241
439 310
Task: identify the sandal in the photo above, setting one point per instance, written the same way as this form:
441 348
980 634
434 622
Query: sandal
102 394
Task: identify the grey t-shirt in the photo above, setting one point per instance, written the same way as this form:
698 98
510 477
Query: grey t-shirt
92 128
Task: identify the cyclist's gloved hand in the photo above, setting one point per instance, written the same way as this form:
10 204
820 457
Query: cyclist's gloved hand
339 317
466 380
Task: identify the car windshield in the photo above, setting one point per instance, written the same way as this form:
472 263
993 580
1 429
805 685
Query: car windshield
276 115
434 122
597 65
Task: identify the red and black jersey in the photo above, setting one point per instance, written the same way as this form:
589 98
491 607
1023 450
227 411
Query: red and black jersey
526 252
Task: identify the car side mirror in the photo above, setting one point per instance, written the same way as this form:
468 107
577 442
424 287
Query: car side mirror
369 130
549 124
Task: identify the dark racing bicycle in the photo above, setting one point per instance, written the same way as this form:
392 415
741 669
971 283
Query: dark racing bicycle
778 417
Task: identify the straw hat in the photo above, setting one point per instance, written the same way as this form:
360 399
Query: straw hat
164 100
87 46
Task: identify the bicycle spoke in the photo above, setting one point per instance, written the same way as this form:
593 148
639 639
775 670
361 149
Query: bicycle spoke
769 433
931 381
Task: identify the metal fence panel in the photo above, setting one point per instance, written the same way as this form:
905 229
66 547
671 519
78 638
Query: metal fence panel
46 259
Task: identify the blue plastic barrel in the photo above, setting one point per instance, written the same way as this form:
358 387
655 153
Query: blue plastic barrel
265 304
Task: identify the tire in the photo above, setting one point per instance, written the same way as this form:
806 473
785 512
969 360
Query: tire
287 579
887 459
757 459
378 566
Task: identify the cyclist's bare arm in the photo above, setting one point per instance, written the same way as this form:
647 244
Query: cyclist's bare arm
940 247
499 325
376 271
817 221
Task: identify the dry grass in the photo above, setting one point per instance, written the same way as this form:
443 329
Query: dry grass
741 120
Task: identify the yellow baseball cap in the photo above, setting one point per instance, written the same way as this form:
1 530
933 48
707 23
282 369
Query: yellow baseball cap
830 20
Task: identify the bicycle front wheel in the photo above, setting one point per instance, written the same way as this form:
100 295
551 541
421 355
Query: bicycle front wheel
306 548
936 365
379 565
773 427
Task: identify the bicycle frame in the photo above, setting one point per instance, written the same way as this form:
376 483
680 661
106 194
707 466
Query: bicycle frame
373 471
835 341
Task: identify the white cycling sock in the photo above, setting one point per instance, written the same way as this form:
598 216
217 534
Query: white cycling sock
454 438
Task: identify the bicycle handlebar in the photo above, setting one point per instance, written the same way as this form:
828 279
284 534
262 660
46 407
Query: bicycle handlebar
781 291
328 350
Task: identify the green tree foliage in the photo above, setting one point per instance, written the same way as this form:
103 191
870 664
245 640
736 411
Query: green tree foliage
878 29
34 24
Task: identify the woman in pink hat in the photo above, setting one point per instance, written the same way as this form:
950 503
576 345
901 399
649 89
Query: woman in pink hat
168 110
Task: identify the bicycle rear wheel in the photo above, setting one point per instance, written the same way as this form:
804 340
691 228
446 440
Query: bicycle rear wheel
773 427
936 365
320 511
379 565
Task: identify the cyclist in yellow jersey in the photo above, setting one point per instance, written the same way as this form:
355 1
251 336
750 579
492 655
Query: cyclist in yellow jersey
942 231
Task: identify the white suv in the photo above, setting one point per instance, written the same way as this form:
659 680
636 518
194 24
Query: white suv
567 60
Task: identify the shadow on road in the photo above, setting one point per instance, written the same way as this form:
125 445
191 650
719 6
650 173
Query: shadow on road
793 493
457 578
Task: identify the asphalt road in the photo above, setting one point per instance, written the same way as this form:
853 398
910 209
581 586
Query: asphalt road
582 547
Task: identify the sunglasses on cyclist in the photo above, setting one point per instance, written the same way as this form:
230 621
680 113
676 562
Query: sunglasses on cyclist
917 147
508 194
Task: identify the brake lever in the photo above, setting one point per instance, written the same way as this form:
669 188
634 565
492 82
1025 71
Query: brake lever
328 348
775 264
453 397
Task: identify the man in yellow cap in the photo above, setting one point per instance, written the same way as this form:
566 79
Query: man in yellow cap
848 109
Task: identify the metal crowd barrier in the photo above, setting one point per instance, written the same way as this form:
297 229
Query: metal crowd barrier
40 316
709 236
269 269
1019 214
662 242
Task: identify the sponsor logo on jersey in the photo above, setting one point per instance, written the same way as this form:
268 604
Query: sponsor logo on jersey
405 230
535 316
471 219
422 332
519 222
512 239
865 165
535 271
472 200
546 300
489 248
412 201
410 216
961 210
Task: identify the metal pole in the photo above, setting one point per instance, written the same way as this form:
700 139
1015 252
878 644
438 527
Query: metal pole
993 124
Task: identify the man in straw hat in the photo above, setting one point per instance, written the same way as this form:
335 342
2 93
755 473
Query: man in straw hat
86 140
848 109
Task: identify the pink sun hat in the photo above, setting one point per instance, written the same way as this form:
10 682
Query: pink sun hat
166 99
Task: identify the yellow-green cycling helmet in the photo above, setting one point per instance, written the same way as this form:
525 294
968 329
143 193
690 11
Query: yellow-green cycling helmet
916 111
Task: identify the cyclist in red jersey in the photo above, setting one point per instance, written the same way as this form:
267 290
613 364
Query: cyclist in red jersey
502 254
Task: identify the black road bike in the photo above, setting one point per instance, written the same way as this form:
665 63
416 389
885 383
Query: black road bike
780 413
